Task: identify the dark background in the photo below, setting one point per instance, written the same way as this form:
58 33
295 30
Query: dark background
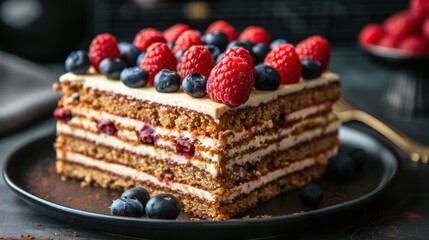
48 30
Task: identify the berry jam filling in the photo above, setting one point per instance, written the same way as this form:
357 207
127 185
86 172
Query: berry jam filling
185 147
62 115
107 127
146 135
281 121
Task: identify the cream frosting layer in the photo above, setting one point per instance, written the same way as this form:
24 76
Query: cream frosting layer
210 196
180 99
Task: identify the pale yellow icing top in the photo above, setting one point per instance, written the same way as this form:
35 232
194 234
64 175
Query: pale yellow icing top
180 99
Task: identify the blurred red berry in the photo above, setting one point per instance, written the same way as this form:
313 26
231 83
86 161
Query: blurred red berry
419 8
371 34
425 29
224 27
255 35
414 45
186 40
402 24
172 33
390 41
147 37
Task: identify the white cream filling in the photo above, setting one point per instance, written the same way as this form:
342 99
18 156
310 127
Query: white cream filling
284 144
260 140
305 112
180 99
186 189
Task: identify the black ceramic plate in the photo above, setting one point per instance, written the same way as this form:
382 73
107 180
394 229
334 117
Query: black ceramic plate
30 173
395 57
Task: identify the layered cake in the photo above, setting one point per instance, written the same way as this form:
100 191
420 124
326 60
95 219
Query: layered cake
220 152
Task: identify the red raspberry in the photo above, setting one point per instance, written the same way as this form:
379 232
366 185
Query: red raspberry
315 48
172 33
103 46
241 53
401 25
255 35
414 45
284 59
146 37
371 34
389 41
230 81
158 57
185 147
196 60
224 27
186 40
425 29
419 8
61 114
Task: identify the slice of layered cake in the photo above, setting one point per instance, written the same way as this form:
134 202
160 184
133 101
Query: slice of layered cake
219 153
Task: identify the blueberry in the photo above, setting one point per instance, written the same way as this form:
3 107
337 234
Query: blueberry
163 206
77 62
140 58
170 45
167 81
134 77
277 42
214 51
261 50
219 58
310 195
341 166
129 53
244 45
137 193
217 38
180 54
311 69
249 43
112 68
203 39
267 78
359 156
195 85
127 208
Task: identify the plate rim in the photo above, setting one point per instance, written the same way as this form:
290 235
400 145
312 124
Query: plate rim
392 53
89 216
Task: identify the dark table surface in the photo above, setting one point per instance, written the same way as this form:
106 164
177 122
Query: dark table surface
400 213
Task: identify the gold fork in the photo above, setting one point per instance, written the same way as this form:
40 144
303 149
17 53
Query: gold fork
415 151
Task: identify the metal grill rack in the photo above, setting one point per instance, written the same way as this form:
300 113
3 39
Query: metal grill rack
293 19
